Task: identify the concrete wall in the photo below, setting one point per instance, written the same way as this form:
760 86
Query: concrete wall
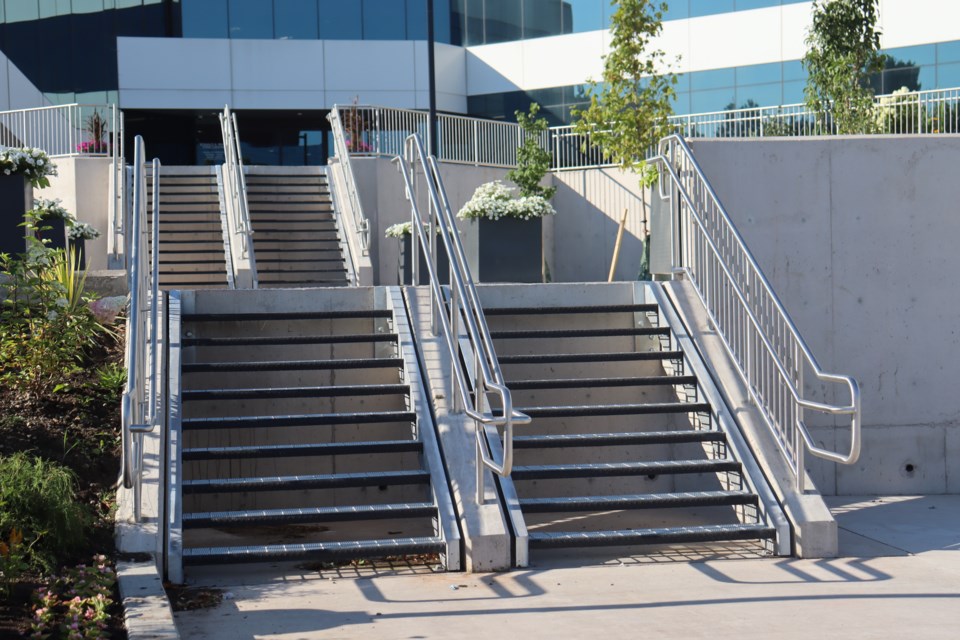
83 184
858 236
16 90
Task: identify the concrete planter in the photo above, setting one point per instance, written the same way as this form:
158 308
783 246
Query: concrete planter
54 231
404 275
16 197
511 250
80 247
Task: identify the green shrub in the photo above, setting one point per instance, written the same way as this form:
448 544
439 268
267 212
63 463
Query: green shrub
37 500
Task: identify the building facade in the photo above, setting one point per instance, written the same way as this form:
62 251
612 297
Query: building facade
173 64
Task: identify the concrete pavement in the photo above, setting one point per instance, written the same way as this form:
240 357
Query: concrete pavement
899 576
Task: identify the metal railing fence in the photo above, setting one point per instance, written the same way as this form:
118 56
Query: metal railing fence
63 130
345 143
142 403
462 312
759 334
236 186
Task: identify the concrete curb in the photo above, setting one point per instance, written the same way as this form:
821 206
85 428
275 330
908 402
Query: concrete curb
146 608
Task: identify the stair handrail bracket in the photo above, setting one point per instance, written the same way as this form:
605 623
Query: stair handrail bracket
764 342
238 211
460 309
142 402
342 152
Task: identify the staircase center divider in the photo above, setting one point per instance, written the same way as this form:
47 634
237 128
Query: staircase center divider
142 402
342 151
772 357
238 212
462 312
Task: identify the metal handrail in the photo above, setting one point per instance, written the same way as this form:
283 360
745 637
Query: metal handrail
141 403
238 211
342 152
464 307
737 271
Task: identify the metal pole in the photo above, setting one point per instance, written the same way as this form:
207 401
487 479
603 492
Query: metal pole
432 146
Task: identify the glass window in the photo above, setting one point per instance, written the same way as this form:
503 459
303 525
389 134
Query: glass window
340 20
683 82
746 5
793 91
582 15
927 79
681 103
793 70
759 95
251 19
417 20
502 20
204 18
716 100
923 54
473 22
948 75
384 20
677 10
22 10
542 18
901 76
709 7
948 52
442 22
87 6
295 19
759 73
713 79
123 4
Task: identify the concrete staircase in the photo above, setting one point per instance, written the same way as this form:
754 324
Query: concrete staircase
305 435
192 250
626 447
295 238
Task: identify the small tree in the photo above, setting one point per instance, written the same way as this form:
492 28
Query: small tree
630 106
842 51
533 161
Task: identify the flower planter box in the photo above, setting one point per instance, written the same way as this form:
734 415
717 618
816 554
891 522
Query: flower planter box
404 275
511 250
80 248
54 231
16 197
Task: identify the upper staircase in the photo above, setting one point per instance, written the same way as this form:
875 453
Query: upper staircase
193 254
295 236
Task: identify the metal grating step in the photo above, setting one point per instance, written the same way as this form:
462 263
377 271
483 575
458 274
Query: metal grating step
615 409
296 483
293 365
287 340
269 517
600 308
579 333
280 315
613 469
585 383
305 420
297 392
570 440
302 450
317 551
556 358
668 535
638 501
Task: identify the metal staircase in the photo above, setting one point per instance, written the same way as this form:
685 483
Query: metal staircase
193 254
295 235
304 433
628 444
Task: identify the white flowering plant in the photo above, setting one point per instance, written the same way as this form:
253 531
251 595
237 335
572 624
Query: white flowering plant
82 231
399 230
33 164
494 200
45 210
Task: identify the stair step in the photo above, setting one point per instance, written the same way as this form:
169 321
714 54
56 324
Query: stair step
591 357
638 501
293 365
584 383
605 469
600 308
298 392
561 441
297 483
286 315
271 517
285 340
579 333
666 535
301 450
317 551
615 409
300 420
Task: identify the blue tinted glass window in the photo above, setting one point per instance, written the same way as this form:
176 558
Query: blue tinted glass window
900 76
582 15
709 7
683 82
417 19
541 18
793 91
502 20
677 10
746 5
759 73
948 75
681 103
384 20
793 70
340 20
441 21
473 21
948 52
759 95
204 18
87 6
927 79
251 19
923 54
712 79
22 10
295 19
717 100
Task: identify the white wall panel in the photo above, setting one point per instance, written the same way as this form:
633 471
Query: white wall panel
909 22
277 65
352 65
173 99
173 63
278 99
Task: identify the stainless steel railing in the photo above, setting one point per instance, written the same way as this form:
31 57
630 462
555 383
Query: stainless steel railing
771 355
142 401
342 150
238 212
461 312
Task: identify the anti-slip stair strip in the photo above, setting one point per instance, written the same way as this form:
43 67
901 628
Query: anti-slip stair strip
615 409
317 551
282 340
301 450
560 358
600 308
610 469
303 420
584 383
571 440
638 501
288 315
293 365
579 333
279 517
300 482
666 535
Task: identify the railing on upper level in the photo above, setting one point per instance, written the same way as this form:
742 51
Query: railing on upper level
142 404
238 212
760 336
461 312
346 141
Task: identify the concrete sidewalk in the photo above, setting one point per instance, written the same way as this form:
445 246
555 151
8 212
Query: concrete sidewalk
899 577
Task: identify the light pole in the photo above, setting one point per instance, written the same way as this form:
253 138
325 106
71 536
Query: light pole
432 81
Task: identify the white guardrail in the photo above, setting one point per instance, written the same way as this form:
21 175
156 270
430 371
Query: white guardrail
238 212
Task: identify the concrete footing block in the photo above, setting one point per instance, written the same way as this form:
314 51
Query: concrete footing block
146 608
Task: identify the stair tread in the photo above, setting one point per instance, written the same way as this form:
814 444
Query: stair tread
615 438
575 383
598 469
306 419
614 409
663 535
296 392
301 449
309 514
590 357
319 480
293 365
579 333
281 315
283 340
315 550
637 501
602 308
